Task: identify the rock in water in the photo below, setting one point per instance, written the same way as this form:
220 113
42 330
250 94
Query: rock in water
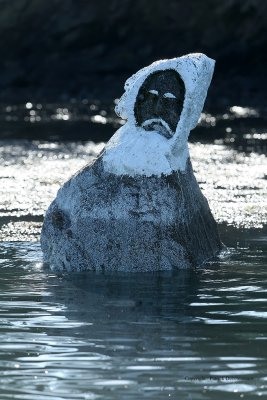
138 207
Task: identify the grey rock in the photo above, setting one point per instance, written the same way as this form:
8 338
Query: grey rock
139 207
122 223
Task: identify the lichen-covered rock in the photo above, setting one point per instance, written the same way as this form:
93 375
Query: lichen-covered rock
138 207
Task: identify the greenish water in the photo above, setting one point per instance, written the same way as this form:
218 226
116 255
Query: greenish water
198 334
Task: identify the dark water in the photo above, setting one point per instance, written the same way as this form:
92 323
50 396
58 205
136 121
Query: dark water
243 128
198 334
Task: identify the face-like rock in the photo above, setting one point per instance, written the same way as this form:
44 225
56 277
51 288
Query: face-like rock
159 102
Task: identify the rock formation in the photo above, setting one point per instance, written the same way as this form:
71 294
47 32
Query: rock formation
138 207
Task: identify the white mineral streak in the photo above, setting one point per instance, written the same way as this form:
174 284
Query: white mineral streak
132 150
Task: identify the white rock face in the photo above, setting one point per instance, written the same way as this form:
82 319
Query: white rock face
138 207
131 150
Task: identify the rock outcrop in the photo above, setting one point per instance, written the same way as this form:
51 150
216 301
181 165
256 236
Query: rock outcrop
102 221
138 207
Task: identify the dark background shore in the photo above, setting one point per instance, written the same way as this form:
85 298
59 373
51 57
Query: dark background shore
57 50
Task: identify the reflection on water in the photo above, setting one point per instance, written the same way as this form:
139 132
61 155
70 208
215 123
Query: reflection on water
32 171
78 119
193 334
198 334
81 120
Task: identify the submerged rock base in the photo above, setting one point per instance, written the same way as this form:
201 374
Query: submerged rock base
102 221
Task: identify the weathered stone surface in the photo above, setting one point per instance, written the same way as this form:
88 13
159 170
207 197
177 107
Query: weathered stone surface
102 221
139 207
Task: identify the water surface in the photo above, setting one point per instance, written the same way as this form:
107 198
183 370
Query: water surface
198 334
